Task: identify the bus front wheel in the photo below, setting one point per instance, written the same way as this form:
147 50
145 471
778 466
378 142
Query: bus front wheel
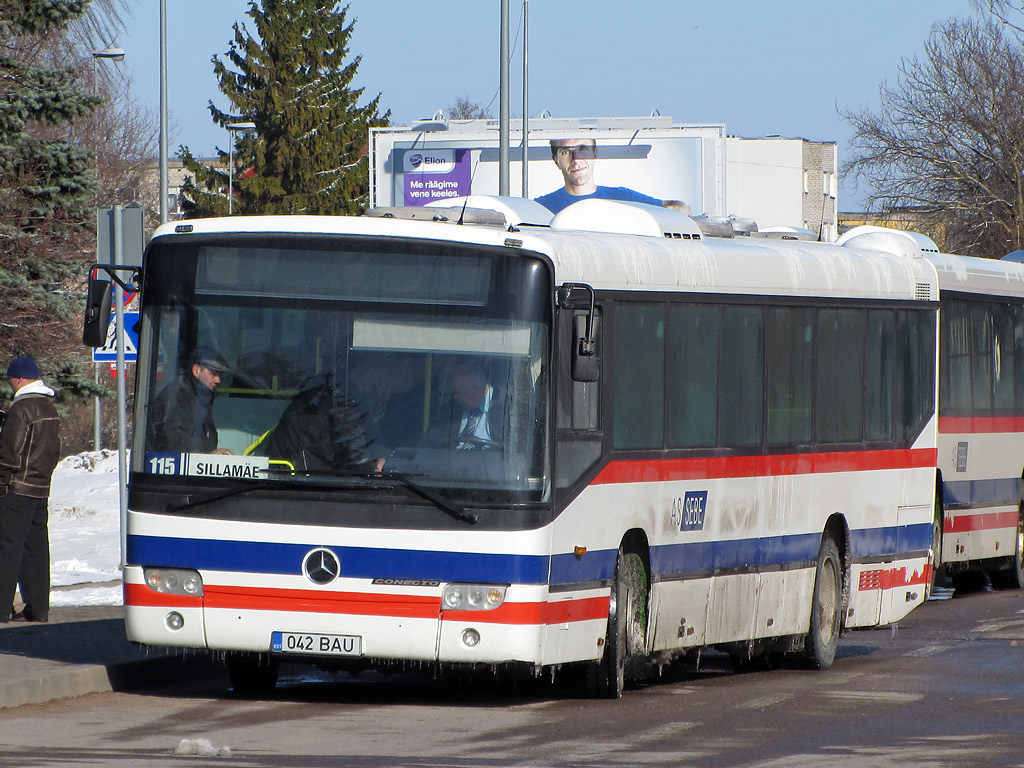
826 607
626 636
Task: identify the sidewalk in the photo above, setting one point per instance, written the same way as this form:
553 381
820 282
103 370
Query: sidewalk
84 650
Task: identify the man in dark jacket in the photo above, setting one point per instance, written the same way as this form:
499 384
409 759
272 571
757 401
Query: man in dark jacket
29 450
320 431
181 418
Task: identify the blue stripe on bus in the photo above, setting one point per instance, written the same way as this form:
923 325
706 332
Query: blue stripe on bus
982 493
356 562
667 561
702 558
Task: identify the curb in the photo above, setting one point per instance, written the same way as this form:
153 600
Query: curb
50 682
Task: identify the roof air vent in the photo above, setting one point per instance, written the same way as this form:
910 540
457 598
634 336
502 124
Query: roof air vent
897 242
626 218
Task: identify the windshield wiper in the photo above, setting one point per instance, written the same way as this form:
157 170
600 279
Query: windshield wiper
263 485
454 509
189 503
445 505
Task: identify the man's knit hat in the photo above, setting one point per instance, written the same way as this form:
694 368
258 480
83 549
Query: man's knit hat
23 367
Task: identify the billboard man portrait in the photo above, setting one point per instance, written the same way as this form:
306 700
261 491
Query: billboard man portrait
576 159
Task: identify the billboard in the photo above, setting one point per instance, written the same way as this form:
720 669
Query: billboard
411 167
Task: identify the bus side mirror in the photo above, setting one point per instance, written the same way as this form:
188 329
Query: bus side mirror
586 363
97 313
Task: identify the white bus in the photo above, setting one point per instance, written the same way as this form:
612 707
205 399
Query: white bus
981 410
690 442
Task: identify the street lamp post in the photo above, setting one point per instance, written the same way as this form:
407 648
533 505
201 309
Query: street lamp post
110 54
526 98
503 107
164 212
234 128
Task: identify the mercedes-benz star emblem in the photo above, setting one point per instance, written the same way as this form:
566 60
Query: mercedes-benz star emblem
321 566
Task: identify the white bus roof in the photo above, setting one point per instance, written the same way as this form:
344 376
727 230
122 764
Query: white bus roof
613 260
965 274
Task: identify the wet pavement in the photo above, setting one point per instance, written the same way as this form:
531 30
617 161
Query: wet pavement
83 650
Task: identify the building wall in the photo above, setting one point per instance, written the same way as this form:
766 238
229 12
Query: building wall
176 175
783 182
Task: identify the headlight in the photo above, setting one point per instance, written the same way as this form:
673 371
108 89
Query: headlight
174 581
472 597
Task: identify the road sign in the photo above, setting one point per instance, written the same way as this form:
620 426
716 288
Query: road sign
132 235
108 352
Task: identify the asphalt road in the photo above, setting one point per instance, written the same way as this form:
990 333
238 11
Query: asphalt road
944 688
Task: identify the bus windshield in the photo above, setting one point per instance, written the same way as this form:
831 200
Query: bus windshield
306 359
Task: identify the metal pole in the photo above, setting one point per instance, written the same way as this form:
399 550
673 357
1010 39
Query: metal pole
526 98
97 412
503 111
122 468
164 214
97 406
231 172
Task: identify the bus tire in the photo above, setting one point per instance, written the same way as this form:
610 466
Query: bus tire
936 550
252 674
826 607
1012 577
626 635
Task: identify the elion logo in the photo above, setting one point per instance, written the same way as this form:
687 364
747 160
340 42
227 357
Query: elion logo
434 161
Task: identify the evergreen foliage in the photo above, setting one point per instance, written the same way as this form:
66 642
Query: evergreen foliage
46 188
294 81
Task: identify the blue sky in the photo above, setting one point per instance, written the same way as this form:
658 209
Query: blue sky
746 63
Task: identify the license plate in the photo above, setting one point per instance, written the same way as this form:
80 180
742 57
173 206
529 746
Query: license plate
316 644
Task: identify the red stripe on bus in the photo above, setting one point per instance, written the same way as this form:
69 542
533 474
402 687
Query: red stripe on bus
314 601
891 578
141 595
970 425
661 470
979 521
560 612
361 604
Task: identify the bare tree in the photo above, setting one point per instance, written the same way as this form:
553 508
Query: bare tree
102 22
948 138
464 109
1009 12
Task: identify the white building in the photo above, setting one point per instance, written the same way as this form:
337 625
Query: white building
776 182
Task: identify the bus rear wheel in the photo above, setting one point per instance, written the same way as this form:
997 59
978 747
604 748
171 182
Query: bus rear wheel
626 636
252 674
936 550
826 607
1012 577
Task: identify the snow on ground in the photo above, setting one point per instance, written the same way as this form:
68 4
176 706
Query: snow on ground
85 531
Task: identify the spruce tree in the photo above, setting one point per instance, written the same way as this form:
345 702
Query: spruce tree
46 188
294 81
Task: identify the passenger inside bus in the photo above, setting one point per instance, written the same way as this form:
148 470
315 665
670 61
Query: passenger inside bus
320 430
181 419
